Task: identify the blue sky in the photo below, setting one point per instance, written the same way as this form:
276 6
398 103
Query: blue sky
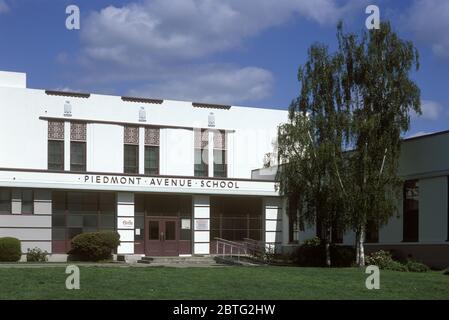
228 51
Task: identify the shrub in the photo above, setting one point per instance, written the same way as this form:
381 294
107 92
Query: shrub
315 241
380 258
396 266
446 272
415 266
94 246
342 256
309 256
384 261
10 250
36 255
313 254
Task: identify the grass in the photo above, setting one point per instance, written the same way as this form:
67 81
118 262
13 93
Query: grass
218 283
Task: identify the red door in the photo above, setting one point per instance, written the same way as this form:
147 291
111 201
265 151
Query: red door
161 237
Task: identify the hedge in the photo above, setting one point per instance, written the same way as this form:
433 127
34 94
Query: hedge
10 249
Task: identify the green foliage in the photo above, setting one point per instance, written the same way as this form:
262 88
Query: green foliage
313 254
446 272
384 260
415 266
380 258
37 255
10 250
94 246
358 99
315 241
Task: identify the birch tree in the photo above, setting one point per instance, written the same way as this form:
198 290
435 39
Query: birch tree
380 96
311 144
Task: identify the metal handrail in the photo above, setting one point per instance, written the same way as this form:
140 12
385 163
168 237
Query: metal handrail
258 247
241 249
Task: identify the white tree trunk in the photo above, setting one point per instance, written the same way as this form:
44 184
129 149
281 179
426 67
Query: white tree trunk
328 246
357 246
361 248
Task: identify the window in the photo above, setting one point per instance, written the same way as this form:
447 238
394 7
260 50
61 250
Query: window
131 149
411 211
78 132
131 158
220 154
27 201
152 151
55 145
201 155
372 232
77 156
236 220
5 200
80 212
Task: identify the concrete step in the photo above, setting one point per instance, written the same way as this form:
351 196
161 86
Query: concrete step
177 260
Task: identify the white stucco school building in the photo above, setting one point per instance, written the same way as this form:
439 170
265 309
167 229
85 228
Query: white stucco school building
73 163
171 176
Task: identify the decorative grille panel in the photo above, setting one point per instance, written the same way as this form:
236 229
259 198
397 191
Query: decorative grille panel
152 136
55 130
201 138
220 140
78 131
131 135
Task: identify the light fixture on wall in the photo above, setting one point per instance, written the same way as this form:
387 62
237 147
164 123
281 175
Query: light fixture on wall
142 115
211 120
67 109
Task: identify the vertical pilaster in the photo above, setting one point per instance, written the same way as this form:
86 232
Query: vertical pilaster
201 224
273 222
125 222
210 155
230 153
141 150
67 146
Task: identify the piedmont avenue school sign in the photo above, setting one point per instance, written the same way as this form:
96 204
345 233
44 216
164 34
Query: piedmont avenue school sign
166 182
116 182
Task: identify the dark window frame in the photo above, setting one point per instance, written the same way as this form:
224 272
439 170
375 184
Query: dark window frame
201 169
410 221
149 170
221 169
29 202
82 166
54 165
64 213
130 169
7 201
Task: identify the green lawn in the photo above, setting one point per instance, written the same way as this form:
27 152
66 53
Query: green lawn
218 283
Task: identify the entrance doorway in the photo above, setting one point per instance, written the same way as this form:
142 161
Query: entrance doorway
161 236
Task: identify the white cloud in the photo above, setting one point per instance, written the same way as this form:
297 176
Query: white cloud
3 6
219 84
431 110
169 44
429 20
186 29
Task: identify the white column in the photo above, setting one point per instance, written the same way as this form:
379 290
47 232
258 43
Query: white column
141 150
90 148
273 221
201 224
210 149
67 146
230 153
125 222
